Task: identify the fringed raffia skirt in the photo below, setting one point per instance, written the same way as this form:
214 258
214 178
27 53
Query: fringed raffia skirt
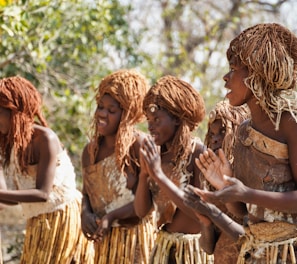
56 237
127 245
269 243
179 248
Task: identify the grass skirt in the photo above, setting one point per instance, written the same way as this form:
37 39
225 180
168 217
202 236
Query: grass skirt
127 245
56 237
179 248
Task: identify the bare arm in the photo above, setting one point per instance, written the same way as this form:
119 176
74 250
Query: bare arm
221 220
232 190
46 146
143 197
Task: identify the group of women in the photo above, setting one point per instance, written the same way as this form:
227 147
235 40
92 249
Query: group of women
164 196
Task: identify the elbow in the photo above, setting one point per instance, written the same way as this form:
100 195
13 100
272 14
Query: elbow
44 196
140 213
207 248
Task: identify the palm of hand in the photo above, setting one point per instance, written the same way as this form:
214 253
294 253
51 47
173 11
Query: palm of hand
151 157
214 168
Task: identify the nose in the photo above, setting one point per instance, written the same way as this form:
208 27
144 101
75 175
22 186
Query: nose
215 139
226 77
150 126
101 112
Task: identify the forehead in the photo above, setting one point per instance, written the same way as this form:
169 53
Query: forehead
156 112
107 98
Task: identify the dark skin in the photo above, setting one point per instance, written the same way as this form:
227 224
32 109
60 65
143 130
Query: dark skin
108 114
45 146
162 127
217 169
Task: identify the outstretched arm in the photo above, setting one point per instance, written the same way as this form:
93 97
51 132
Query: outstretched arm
221 220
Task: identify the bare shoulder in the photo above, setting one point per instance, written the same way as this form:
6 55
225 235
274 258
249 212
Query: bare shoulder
45 138
85 158
288 127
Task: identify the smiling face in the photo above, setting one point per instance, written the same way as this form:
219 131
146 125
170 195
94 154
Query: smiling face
238 93
108 115
5 116
162 126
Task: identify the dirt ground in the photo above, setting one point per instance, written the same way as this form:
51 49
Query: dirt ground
12 227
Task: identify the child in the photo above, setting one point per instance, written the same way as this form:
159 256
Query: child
110 164
223 122
263 72
39 175
173 109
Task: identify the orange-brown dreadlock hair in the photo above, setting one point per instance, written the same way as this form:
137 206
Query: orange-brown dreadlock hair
181 100
128 87
269 51
24 101
232 117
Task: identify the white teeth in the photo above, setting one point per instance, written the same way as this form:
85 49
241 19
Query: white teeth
101 122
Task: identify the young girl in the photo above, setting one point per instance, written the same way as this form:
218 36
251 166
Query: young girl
40 176
263 72
173 109
110 164
223 122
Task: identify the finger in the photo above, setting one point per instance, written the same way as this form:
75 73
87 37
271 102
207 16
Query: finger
207 156
230 180
205 195
191 196
202 163
211 155
222 156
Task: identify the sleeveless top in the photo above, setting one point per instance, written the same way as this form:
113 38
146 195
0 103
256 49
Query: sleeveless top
164 207
63 191
106 186
262 163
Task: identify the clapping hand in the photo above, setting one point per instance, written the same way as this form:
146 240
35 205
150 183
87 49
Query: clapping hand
214 167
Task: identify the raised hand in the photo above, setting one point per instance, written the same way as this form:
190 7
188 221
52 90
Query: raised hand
150 153
214 167
233 192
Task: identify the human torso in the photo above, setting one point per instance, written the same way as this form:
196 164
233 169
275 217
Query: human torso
169 217
262 163
63 190
106 186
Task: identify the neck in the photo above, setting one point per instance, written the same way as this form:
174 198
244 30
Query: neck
259 117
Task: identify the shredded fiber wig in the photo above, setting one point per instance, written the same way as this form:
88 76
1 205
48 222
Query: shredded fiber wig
269 51
181 100
128 87
24 101
231 117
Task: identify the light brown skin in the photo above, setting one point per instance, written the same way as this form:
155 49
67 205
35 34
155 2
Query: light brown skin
108 114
